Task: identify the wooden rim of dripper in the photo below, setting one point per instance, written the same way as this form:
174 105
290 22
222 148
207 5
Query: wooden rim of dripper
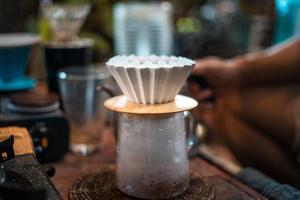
120 104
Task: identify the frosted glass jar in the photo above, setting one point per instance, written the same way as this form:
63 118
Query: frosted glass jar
152 158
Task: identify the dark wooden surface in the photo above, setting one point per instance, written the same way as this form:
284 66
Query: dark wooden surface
73 166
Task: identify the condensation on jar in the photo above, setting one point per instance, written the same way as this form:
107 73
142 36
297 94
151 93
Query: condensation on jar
152 158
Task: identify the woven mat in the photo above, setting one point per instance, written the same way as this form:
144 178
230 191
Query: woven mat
102 185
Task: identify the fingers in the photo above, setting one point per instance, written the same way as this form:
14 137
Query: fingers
204 95
200 94
194 88
207 63
203 110
205 106
202 98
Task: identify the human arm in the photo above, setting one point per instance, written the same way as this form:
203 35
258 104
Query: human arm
277 65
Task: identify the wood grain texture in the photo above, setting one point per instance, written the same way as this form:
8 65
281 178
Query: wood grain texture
122 105
75 166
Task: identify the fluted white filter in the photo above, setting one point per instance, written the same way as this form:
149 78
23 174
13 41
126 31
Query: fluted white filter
150 79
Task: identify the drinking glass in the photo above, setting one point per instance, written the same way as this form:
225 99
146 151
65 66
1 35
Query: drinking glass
83 93
65 19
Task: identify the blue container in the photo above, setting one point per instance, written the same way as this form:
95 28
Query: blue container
13 61
14 54
287 19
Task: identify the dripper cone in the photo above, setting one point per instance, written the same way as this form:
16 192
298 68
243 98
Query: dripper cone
65 19
150 79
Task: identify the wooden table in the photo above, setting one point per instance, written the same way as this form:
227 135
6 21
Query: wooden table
74 166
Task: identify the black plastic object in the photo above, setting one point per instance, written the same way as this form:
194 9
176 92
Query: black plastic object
50 133
49 170
7 149
9 193
49 129
57 57
24 178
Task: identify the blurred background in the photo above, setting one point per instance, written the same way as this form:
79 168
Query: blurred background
200 28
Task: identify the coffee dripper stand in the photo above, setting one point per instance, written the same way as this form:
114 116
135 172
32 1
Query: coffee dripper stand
152 161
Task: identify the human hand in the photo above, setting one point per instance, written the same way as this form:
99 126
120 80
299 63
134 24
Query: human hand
220 76
212 79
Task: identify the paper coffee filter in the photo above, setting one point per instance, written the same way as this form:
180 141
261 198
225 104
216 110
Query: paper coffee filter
150 79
